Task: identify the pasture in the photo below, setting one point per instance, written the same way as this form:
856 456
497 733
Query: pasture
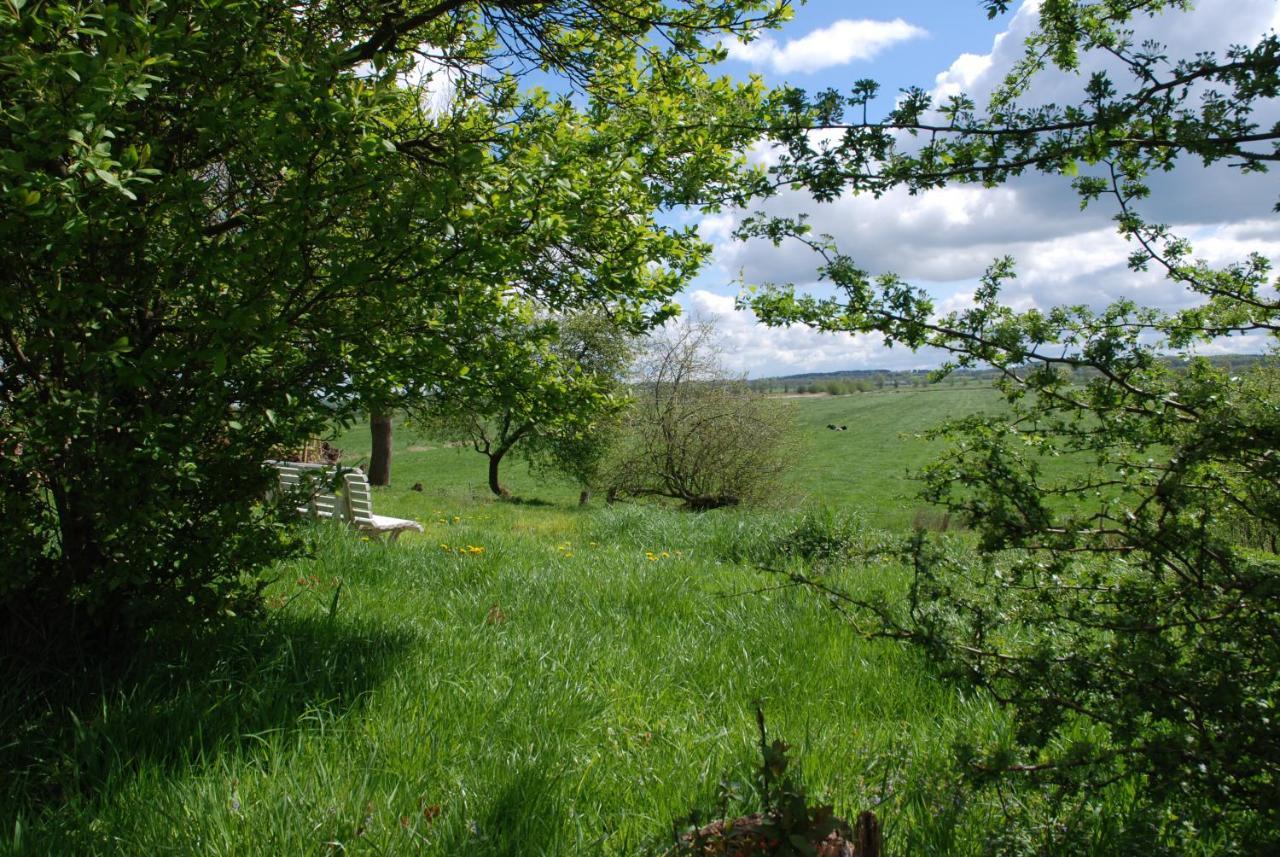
531 678
865 470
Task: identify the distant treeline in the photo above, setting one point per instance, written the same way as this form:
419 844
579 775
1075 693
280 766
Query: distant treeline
867 380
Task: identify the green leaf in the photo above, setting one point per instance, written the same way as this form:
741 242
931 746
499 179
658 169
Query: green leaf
108 178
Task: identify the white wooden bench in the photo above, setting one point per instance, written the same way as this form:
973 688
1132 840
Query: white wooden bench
355 506
358 506
312 482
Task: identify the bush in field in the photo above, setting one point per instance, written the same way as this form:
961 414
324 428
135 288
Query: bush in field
694 432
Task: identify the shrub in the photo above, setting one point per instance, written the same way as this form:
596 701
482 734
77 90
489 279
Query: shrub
697 434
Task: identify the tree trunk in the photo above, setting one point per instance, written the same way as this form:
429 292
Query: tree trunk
380 457
585 497
495 458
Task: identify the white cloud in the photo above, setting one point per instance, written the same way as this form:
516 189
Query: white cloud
960 77
841 43
946 238
717 228
750 347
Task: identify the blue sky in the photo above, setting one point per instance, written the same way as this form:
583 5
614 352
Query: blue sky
944 239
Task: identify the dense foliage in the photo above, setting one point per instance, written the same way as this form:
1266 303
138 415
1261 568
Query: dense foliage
1125 611
548 393
224 224
695 432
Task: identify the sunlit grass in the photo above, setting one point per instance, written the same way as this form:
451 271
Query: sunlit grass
536 696
519 679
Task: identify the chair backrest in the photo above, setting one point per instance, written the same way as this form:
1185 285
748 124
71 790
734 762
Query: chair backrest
357 495
313 480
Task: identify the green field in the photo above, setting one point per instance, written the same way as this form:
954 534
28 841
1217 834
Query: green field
865 469
527 678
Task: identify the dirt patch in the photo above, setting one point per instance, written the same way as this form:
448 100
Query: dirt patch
755 836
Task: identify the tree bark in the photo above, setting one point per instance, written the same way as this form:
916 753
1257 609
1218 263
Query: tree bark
495 458
380 457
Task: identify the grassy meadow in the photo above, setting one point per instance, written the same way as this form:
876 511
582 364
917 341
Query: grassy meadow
864 470
529 678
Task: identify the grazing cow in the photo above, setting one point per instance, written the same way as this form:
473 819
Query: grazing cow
844 428
830 426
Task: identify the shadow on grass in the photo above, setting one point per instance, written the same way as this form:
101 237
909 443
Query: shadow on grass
85 737
526 816
514 500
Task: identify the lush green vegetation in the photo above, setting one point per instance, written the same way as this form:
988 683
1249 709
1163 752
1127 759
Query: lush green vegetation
226 225
173 311
1122 609
531 678
864 469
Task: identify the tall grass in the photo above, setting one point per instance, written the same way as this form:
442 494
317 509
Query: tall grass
519 680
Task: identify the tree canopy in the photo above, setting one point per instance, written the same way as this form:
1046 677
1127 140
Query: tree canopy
224 225
1125 610
545 391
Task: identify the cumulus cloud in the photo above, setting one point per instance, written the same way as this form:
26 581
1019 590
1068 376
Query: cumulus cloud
961 76
946 238
757 350
840 43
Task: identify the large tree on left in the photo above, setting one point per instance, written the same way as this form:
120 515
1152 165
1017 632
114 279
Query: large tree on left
224 224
